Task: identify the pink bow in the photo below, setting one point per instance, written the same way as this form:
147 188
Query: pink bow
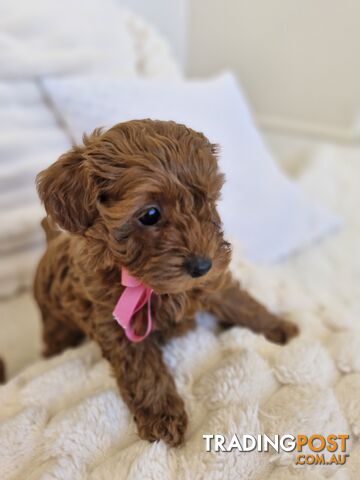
132 299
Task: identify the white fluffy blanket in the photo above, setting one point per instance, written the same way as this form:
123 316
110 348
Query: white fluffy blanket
64 418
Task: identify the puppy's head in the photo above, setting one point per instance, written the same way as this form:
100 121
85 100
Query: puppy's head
144 196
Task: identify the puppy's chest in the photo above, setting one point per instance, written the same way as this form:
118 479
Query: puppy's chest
169 310
103 290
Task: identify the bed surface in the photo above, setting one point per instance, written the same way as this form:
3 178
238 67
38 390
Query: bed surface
245 385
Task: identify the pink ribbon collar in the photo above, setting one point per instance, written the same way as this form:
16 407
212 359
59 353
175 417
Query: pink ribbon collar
132 299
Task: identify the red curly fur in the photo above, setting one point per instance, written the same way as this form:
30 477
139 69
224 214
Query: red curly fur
96 193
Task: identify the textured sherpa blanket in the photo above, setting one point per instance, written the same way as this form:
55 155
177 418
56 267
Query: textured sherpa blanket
64 418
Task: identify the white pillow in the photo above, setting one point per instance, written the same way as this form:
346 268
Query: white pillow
42 37
261 208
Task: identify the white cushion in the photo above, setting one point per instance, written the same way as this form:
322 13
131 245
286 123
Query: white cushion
261 208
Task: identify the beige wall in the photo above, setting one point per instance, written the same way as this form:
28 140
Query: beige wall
298 60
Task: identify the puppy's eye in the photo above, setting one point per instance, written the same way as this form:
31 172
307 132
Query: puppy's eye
150 217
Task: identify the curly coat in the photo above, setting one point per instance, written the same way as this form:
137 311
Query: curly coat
96 193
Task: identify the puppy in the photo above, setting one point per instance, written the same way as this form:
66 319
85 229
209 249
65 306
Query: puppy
140 197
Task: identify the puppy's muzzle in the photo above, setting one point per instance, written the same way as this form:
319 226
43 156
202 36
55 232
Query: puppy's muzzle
198 266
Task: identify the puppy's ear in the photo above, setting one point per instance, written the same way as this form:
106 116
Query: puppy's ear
68 192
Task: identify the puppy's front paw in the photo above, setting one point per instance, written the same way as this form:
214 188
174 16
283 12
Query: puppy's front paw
167 425
282 331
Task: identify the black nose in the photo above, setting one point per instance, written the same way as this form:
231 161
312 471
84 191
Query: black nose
198 266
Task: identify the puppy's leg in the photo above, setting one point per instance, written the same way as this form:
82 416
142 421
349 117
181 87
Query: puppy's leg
234 306
145 384
59 335
2 372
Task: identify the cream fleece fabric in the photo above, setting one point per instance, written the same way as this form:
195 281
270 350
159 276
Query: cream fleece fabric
64 418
